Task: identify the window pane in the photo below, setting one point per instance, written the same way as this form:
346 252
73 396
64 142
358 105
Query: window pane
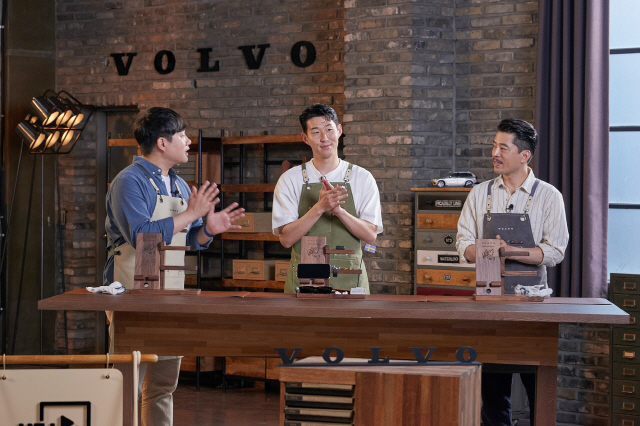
624 16
624 234
624 90
624 176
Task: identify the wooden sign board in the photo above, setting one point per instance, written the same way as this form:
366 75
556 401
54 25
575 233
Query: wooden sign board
147 269
488 276
312 250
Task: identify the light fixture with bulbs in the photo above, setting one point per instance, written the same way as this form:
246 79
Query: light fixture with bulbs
55 123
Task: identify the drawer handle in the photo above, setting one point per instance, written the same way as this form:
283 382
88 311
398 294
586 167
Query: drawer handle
632 320
629 286
628 423
429 240
629 406
629 337
629 303
427 277
628 354
283 272
628 389
466 279
628 371
255 271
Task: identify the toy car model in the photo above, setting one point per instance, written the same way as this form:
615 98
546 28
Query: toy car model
466 179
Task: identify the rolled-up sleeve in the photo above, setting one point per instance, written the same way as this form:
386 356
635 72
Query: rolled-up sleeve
555 233
467 226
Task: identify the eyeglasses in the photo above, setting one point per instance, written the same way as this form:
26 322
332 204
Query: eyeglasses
314 289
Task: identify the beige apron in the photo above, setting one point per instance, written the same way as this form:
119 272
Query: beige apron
125 255
124 259
337 234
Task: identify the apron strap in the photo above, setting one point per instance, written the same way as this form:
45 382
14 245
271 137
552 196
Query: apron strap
175 183
530 199
347 175
152 182
305 174
489 199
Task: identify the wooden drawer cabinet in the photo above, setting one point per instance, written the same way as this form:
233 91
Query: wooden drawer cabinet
447 277
261 270
438 221
436 261
624 291
282 266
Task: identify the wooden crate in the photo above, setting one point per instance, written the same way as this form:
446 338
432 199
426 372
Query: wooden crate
385 396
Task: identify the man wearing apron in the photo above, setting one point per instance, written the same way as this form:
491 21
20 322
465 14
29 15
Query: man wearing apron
522 212
327 197
148 196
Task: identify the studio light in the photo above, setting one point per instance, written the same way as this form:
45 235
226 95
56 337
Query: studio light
56 124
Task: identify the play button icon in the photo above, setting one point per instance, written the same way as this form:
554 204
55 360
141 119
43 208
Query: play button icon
65 421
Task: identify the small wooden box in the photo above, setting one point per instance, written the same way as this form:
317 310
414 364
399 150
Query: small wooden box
449 277
438 221
282 267
254 222
261 270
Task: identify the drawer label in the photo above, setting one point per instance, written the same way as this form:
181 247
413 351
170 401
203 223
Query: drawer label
448 258
448 239
447 277
448 203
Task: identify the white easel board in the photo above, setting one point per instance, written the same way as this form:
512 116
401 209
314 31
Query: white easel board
61 397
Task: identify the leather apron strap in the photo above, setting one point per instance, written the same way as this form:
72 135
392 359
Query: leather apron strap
336 233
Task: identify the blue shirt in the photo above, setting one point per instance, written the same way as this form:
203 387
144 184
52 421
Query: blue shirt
130 203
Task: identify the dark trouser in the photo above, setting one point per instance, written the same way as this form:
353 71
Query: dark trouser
496 397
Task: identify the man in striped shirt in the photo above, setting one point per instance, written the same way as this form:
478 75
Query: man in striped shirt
525 210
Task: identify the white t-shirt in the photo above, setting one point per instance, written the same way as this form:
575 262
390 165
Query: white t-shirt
286 196
167 183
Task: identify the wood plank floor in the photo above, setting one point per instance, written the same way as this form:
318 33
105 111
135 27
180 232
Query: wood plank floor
236 407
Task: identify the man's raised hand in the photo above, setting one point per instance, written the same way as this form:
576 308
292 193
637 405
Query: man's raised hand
222 221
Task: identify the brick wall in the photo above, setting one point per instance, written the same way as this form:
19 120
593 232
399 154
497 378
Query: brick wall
419 86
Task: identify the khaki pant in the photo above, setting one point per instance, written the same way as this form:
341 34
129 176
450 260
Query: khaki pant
156 384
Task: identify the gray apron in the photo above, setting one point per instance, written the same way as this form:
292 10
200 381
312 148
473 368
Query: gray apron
337 234
515 230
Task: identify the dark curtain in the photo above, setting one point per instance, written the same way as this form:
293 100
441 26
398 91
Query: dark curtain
572 118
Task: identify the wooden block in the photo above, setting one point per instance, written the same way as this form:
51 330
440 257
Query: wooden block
312 250
282 267
147 264
488 267
254 222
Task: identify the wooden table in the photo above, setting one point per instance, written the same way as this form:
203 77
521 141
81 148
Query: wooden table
252 324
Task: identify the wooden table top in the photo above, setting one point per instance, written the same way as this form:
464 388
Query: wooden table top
555 309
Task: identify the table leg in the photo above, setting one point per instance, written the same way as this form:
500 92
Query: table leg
127 392
546 388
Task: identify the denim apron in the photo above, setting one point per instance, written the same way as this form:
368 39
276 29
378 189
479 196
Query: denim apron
515 230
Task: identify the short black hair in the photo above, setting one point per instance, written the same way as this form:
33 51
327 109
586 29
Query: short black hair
524 134
156 123
317 110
